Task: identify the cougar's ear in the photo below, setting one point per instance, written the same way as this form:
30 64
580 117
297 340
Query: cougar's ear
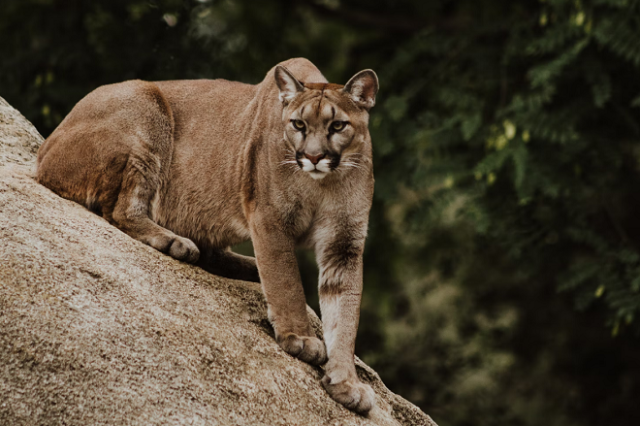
363 88
288 85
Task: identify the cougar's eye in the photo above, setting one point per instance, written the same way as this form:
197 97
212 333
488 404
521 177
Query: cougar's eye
336 126
298 124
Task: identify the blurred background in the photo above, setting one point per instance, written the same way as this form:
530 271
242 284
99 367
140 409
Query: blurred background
502 271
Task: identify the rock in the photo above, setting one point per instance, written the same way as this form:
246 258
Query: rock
19 140
98 328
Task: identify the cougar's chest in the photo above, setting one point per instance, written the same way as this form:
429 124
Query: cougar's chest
302 218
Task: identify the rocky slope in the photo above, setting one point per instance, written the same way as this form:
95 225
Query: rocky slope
97 328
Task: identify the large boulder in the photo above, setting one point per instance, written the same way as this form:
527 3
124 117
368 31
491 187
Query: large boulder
98 328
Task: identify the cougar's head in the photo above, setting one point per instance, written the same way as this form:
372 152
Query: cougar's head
325 124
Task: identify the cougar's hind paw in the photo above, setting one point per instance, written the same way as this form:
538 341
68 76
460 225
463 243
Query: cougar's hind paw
308 349
184 249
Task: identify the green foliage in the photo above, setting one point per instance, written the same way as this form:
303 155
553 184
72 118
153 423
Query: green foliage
502 273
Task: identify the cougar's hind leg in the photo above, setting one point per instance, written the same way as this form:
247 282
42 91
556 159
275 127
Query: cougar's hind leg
146 174
228 264
112 154
131 214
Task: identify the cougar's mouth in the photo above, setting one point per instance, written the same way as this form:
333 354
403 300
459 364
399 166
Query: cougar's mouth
317 169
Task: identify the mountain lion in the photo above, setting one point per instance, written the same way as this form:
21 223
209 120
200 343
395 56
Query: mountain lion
193 167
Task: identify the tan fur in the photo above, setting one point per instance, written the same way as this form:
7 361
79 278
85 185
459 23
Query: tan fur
193 167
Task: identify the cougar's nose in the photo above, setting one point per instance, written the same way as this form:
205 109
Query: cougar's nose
314 158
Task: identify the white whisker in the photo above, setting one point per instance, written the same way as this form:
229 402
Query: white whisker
350 164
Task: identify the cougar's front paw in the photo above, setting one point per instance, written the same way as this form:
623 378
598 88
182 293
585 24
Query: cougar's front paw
351 393
307 349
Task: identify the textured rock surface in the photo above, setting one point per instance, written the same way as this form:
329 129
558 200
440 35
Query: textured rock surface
97 328
19 140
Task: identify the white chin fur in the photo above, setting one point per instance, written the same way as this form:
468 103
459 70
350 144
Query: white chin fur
317 175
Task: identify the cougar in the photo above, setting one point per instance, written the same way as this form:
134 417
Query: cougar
193 167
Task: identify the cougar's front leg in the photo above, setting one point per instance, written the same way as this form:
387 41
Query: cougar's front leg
340 289
282 287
